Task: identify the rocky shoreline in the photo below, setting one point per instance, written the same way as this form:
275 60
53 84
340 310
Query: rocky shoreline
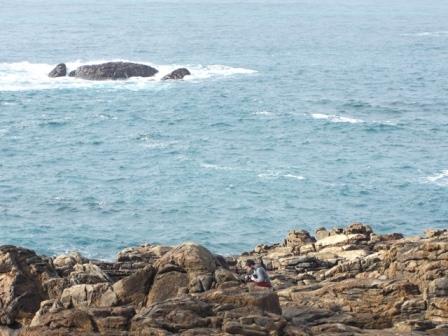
347 281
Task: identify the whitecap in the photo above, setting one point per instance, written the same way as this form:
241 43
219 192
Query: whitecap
440 179
336 119
429 33
216 167
156 145
268 175
297 177
24 76
263 113
279 174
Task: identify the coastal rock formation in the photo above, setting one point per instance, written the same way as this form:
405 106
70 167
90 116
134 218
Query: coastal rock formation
345 281
113 70
22 274
59 71
177 74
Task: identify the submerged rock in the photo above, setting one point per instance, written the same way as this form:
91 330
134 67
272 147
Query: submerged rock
113 70
177 74
59 71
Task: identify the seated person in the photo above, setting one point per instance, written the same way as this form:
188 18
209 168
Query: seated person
257 274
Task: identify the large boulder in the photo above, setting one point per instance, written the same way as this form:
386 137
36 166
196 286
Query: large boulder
256 300
167 285
22 274
70 322
87 274
134 288
296 239
177 74
174 315
59 71
189 256
196 261
97 295
147 254
54 319
113 70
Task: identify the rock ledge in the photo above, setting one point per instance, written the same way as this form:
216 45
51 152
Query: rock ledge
347 281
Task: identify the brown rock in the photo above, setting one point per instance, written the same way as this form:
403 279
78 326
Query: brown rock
145 253
295 239
134 288
97 295
261 299
87 274
358 228
22 274
64 263
191 257
167 285
224 275
55 286
173 315
112 320
57 321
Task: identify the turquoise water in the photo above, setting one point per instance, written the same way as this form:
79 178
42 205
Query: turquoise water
298 114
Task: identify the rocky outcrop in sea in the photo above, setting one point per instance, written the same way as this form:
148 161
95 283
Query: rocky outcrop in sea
347 281
115 71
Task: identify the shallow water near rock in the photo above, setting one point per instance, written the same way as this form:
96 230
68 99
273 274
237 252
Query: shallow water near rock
297 114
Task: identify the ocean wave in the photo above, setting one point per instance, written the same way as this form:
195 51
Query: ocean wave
441 179
429 34
278 174
216 167
350 120
336 119
25 76
269 175
263 113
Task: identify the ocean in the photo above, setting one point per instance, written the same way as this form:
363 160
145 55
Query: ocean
297 115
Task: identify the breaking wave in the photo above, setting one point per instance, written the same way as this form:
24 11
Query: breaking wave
336 119
440 179
429 34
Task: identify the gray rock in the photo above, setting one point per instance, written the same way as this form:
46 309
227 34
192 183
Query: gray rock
59 71
113 70
177 74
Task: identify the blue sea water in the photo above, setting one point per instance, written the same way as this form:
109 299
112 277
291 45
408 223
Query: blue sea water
298 114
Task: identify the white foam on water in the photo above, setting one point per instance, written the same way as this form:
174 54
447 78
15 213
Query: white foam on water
277 174
429 33
263 113
441 179
216 167
25 76
336 119
296 177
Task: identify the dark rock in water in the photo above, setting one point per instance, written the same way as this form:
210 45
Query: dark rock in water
72 73
59 71
177 74
113 70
